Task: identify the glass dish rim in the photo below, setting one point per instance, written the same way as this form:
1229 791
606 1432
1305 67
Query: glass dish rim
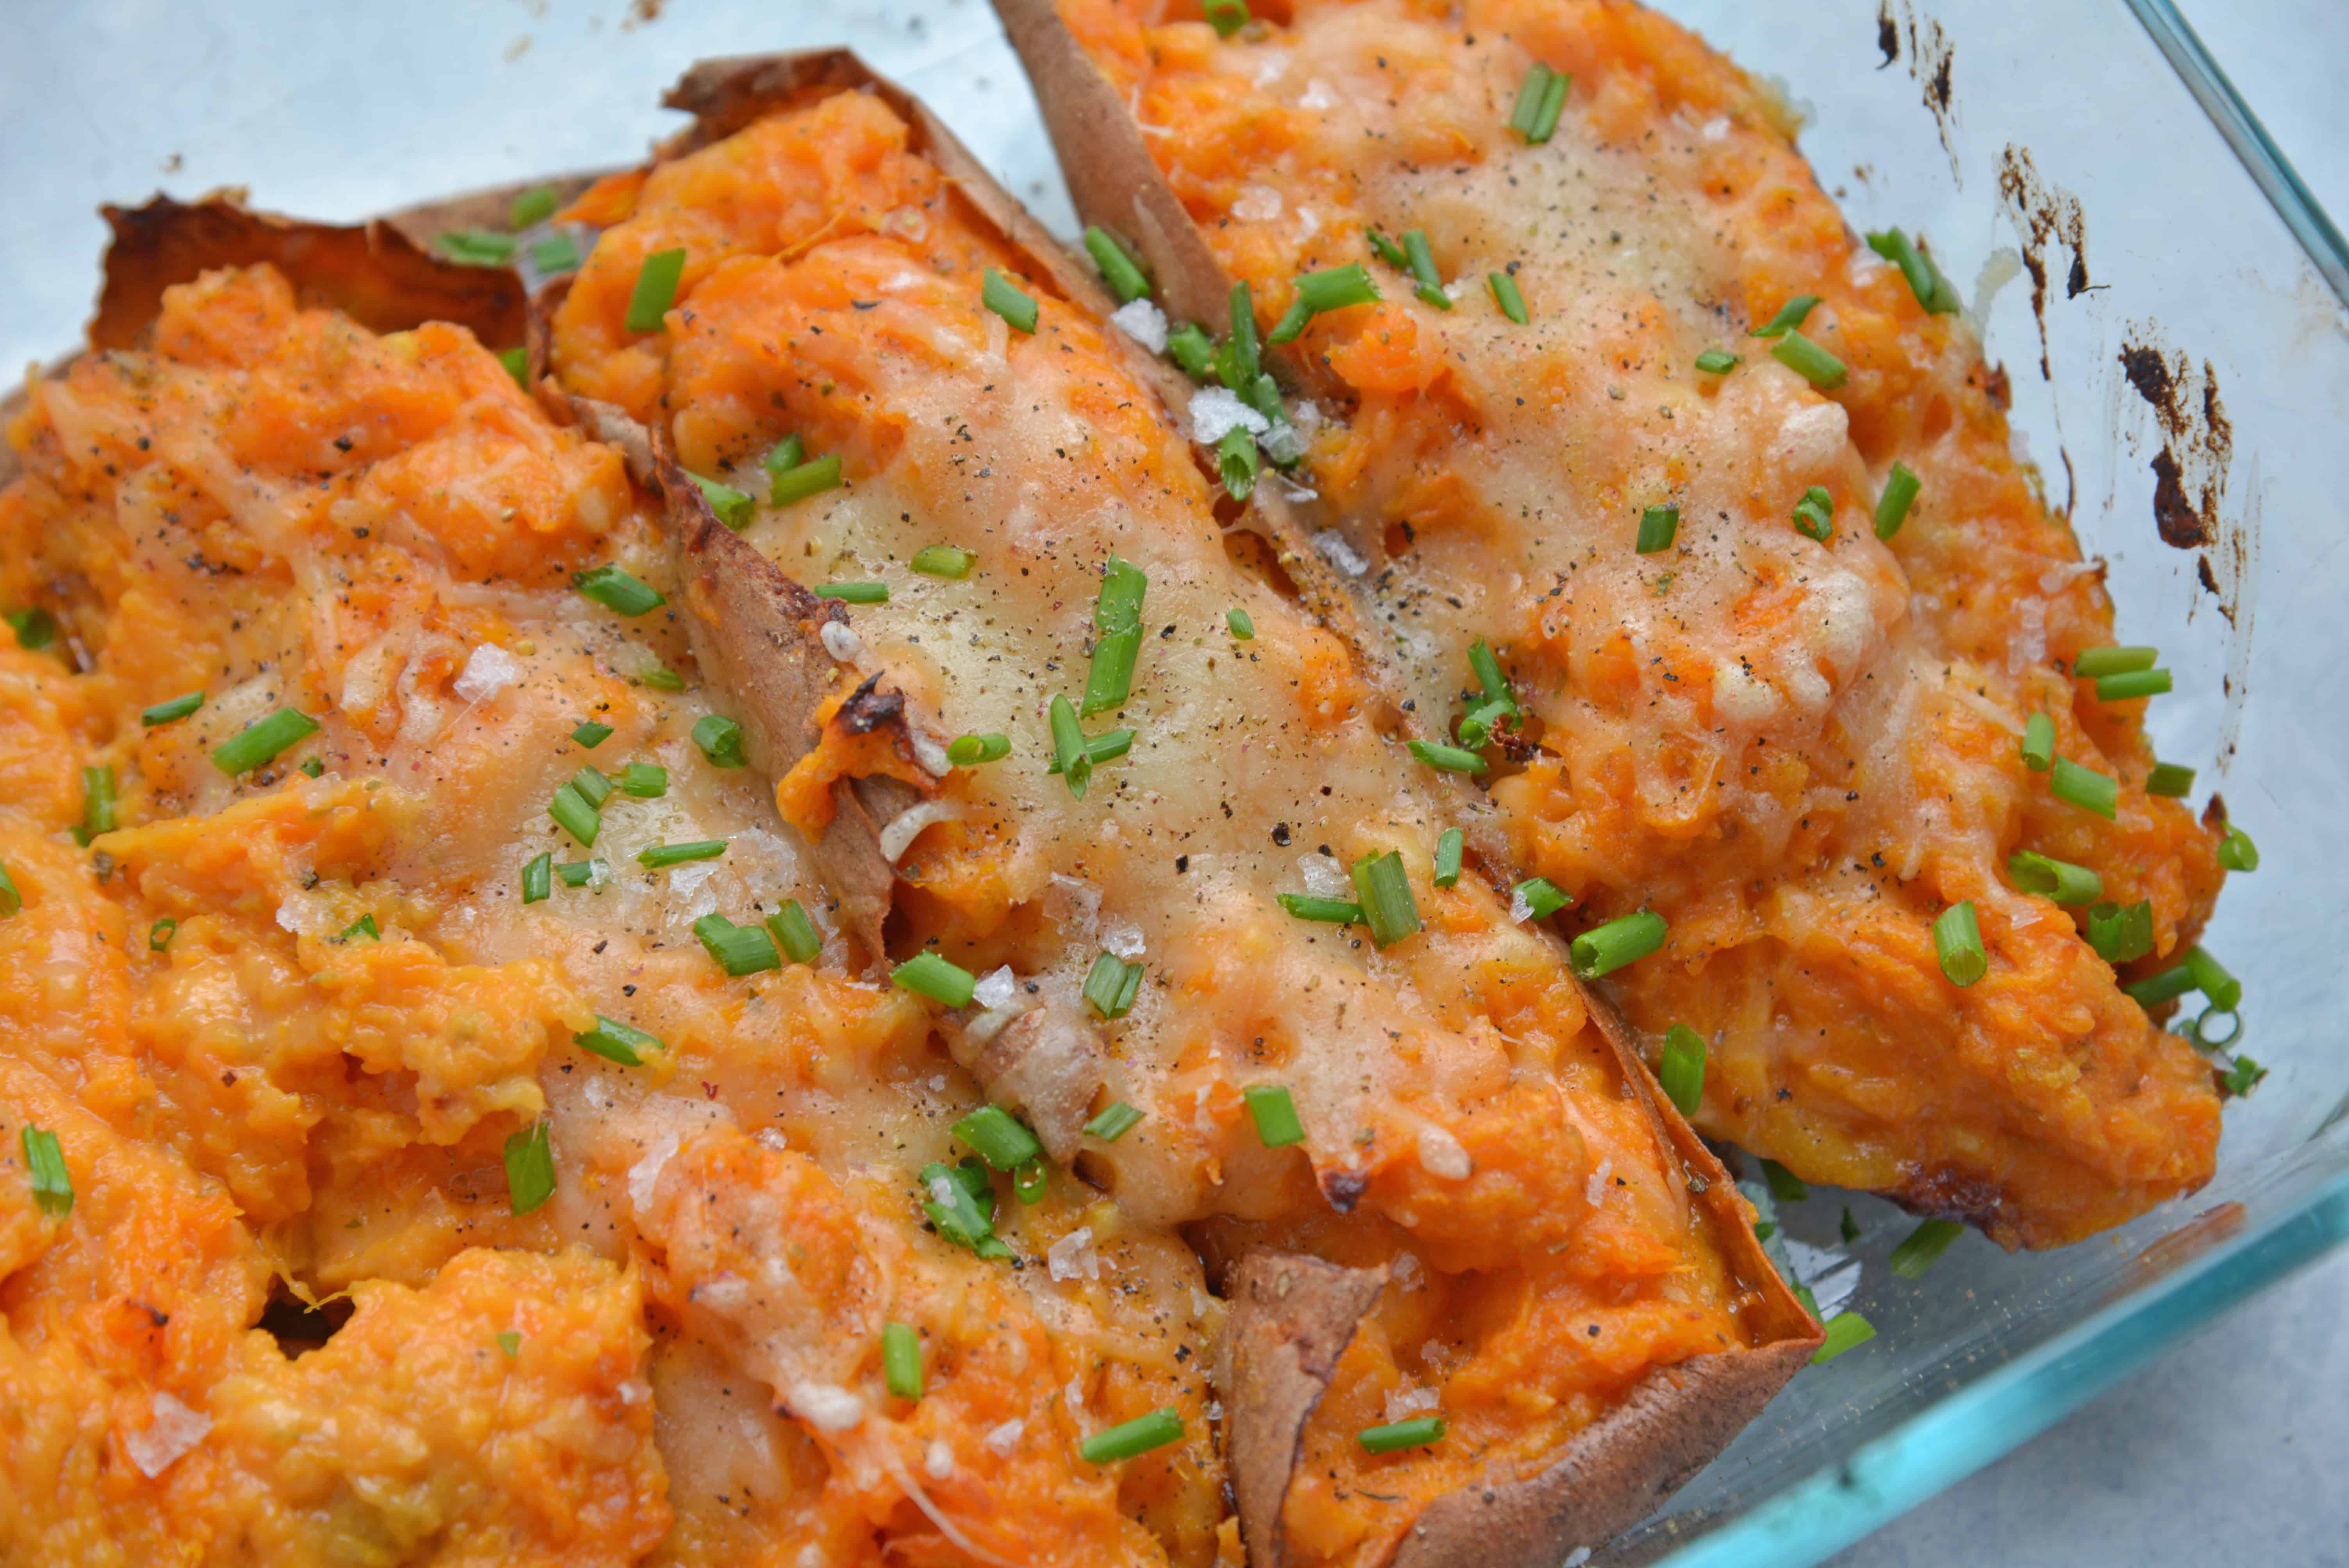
1839 1503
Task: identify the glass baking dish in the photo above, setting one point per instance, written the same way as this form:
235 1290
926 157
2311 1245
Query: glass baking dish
2087 152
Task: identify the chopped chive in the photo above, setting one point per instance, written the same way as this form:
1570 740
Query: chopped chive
1844 1331
1387 250
2237 852
794 933
1237 362
2243 1077
1106 746
36 628
730 506
45 1161
510 1342
657 857
737 949
516 361
1449 759
901 1360
1604 949
939 979
1539 897
998 1136
593 786
1030 1180
1310 906
476 247
1815 515
364 925
958 1216
1448 846
591 734
1227 18
2086 787
178 707
530 1167
1114 1123
2120 935
535 205
2059 879
1802 1291
574 816
1490 678
1117 617
1540 102
1333 288
1387 908
159 935
1682 1071
1237 464
2131 683
1717 362
1159 1427
1112 985
576 873
1900 489
2094 662
1118 269
311 767
2169 779
2039 743
1069 755
260 743
1791 315
645 780
808 479
1849 1228
1785 1185
1477 726
720 741
1188 345
655 290
615 1041
1808 360
11 901
555 254
1509 296
854 592
617 590
1423 269
966 751
1001 295
2210 977
97 802
784 456
1659 526
1957 939
1933 292
1239 625
943 561
1415 1433
2163 985
1274 1115
1923 1246
538 879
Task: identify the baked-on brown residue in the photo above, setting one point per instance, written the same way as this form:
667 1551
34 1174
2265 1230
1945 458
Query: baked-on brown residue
2042 213
1931 59
2190 472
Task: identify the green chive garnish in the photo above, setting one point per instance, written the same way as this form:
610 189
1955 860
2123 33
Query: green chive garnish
655 290
1237 464
1329 911
2086 787
943 561
1923 1246
538 879
942 981
1159 1427
1957 938
2164 985
364 925
1540 896
720 741
784 456
1682 1071
1423 269
1001 295
45 1161
97 802
2237 852
575 873
1604 949
1114 1123
2120 935
159 935
1845 1331
1387 250
2170 780
1849 1228
806 479
555 253
2131 683
510 1343
1659 526
476 247
2039 743
530 1167
645 780
1900 489
1449 759
178 707
311 767
574 816
1540 102
1236 365
1069 755
593 786
2243 1076
1275 1114
1333 288
1117 618
1815 515
1448 846
1117 269
901 1360
1808 360
1934 291
1507 294
1112 984
36 628
732 507
1785 1185
1791 315
591 734
615 1041
1717 362
1387 908
1416 1433
617 590
794 933
854 592
657 857
1000 1138
2094 662
11 901
535 205
737 949
1490 679
260 743
1188 345
1227 18
516 361
2059 879
959 1215
2210 977
968 750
